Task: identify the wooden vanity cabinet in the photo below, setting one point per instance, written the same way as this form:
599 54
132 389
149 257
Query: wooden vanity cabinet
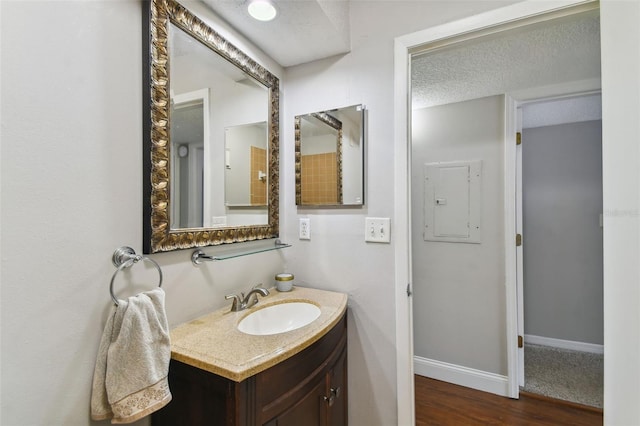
308 389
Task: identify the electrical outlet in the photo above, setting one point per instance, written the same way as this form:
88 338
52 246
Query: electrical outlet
218 221
304 228
377 229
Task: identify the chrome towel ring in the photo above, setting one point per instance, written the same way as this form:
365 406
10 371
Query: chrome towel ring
123 258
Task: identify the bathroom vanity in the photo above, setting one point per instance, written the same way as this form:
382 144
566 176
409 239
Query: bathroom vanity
221 376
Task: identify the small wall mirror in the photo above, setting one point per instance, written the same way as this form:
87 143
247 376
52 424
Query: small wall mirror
211 137
330 157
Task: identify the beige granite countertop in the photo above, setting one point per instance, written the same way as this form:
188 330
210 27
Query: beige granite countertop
213 342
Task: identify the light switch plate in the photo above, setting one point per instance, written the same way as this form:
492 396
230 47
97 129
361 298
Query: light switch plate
377 229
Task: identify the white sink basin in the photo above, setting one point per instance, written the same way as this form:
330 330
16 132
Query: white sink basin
280 318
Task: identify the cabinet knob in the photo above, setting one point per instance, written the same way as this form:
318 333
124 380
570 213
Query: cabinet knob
330 400
336 392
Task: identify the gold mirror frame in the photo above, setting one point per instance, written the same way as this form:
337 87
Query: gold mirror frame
157 234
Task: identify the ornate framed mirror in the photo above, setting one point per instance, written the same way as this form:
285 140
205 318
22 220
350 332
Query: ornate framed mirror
198 89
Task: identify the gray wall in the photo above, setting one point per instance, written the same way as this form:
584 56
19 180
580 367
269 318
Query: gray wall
459 296
562 238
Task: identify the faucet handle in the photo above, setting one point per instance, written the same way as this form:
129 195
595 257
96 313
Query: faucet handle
237 301
235 296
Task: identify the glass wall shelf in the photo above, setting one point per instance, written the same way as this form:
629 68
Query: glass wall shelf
252 247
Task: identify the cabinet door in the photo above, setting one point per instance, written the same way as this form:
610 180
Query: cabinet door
338 415
203 398
309 411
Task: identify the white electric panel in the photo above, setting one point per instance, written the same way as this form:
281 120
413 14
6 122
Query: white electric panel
452 201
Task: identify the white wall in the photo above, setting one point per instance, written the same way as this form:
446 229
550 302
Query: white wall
562 237
337 257
72 193
459 300
231 104
318 144
238 141
352 155
621 192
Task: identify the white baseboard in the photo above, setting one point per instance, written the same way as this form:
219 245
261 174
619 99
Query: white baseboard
463 376
564 344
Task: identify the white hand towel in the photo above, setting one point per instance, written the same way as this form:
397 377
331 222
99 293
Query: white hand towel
130 377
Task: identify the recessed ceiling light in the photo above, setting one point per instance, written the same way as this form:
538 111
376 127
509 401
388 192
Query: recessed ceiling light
262 10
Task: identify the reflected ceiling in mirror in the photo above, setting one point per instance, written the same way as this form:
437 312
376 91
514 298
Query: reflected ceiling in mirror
329 157
199 87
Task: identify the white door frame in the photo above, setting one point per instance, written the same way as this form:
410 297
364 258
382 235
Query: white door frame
402 172
513 167
190 98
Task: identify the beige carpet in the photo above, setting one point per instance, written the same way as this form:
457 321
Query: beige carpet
564 374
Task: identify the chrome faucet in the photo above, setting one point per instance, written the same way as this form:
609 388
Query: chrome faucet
240 302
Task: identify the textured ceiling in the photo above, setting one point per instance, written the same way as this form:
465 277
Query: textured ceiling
303 30
561 111
553 52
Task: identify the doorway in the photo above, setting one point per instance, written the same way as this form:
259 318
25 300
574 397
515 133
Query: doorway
559 205
620 200
491 357
190 112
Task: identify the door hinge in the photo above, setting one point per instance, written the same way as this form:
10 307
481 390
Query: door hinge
409 293
518 138
518 240
520 342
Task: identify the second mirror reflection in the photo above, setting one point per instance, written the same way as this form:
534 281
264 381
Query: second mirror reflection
219 138
330 157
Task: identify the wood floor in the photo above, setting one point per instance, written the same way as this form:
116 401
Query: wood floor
444 404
